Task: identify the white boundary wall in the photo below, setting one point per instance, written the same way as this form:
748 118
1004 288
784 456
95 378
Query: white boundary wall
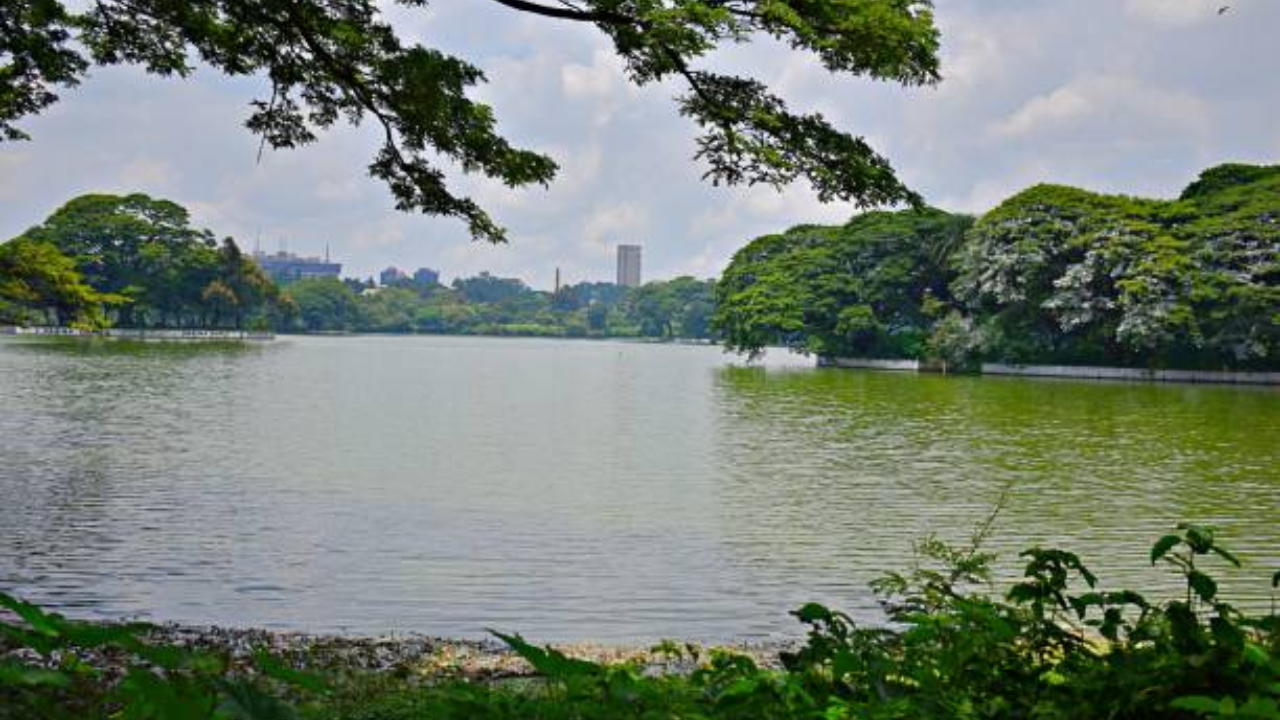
129 334
1115 373
1067 371
870 364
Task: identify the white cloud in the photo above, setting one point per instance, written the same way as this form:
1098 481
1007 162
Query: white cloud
386 233
148 174
1173 12
602 78
1120 95
1063 106
1108 99
608 225
12 169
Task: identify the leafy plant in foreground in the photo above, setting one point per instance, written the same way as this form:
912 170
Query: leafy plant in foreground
53 677
1056 646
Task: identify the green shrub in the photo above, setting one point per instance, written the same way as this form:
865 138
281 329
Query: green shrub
1057 646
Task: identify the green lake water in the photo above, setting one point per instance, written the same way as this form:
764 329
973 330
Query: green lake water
579 490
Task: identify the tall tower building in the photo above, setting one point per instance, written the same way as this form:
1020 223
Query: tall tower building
629 265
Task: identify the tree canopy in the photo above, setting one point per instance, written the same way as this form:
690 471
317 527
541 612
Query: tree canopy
144 253
1053 274
1069 275
327 61
490 305
39 284
865 288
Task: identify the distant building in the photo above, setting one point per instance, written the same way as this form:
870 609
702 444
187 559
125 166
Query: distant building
285 267
391 276
629 265
426 276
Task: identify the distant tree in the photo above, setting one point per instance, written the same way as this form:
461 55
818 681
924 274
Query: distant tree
597 317
1052 275
135 246
1058 273
146 250
283 314
39 284
324 305
332 60
486 288
576 297
220 302
674 308
250 287
865 288
358 286
445 312
392 309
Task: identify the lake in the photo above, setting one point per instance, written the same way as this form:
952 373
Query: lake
568 490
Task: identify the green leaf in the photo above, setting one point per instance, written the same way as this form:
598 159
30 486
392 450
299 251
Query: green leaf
548 661
244 701
145 695
1262 708
1203 585
93 635
40 621
1199 539
1196 703
814 612
1163 546
1256 655
1226 555
14 674
272 667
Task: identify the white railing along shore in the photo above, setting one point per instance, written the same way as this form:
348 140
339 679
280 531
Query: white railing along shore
139 334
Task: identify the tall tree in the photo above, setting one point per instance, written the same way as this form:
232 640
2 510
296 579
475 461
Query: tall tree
323 304
1063 274
39 284
146 250
331 60
865 288
132 245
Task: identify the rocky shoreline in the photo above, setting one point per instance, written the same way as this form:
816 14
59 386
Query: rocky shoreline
410 655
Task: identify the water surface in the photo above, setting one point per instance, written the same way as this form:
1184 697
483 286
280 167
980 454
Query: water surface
577 490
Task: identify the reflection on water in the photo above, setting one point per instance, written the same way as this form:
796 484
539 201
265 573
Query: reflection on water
574 490
861 463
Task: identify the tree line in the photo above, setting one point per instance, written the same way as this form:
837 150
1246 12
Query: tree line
136 261
489 305
1052 275
132 261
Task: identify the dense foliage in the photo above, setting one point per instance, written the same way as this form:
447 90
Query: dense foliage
327 61
1057 646
137 262
1054 274
146 265
39 285
870 287
1066 275
490 305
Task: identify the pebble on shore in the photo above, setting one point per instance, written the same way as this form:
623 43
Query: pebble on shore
410 655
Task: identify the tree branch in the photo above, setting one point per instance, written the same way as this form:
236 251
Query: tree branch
565 13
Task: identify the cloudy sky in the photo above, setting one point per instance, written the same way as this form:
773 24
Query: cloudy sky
1130 96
